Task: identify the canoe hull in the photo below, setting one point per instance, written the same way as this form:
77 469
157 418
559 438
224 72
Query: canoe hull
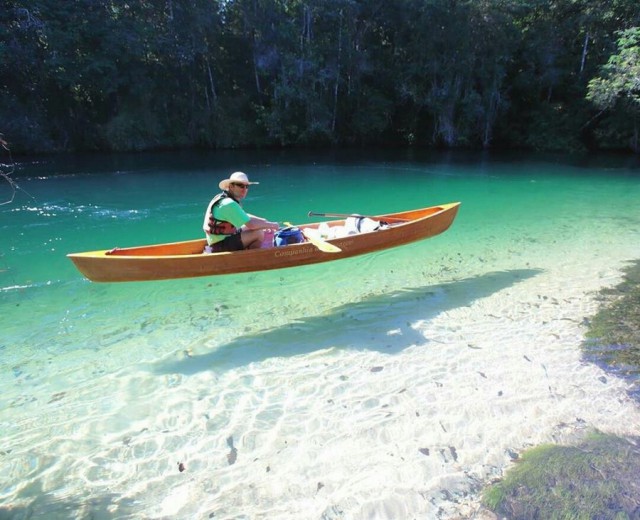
186 260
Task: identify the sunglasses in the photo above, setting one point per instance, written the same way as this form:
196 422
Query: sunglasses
240 185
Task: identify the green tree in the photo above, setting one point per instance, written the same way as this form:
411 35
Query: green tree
23 100
143 74
619 85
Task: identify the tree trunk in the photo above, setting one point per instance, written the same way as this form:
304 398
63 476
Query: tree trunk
170 7
212 85
255 64
337 83
584 52
495 100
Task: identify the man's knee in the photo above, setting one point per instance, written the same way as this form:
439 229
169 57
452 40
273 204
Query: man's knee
253 238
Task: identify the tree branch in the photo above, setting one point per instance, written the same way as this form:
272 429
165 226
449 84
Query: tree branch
6 175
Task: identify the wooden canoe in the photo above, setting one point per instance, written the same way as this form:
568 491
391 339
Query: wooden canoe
186 259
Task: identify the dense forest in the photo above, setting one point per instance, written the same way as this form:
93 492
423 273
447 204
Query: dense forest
79 75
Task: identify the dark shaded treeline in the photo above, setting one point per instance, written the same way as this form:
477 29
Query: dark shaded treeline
145 74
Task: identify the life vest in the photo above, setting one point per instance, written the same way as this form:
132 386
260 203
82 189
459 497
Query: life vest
219 227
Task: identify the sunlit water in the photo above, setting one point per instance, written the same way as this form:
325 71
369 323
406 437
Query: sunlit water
393 385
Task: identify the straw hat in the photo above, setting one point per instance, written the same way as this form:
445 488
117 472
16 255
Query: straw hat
238 177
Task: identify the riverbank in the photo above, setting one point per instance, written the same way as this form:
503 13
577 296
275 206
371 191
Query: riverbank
596 478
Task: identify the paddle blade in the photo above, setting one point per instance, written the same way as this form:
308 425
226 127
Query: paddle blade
320 243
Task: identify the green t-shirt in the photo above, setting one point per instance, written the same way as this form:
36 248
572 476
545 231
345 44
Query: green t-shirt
230 211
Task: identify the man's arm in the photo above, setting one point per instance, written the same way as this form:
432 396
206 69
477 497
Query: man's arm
260 223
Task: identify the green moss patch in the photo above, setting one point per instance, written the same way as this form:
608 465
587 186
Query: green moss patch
613 335
596 479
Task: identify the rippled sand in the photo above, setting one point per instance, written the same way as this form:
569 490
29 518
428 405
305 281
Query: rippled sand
401 404
394 385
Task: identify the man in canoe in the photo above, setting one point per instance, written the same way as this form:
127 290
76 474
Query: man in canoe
227 226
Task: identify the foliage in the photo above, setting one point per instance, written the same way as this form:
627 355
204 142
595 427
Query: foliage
104 74
621 75
620 82
596 479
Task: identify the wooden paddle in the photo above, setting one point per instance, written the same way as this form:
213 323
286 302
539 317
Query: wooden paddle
318 241
321 244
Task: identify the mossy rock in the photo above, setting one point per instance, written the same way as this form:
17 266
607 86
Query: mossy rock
598 479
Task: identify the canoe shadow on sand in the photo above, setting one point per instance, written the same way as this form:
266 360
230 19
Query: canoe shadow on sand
384 323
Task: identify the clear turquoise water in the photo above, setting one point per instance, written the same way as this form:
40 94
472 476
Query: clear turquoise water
105 386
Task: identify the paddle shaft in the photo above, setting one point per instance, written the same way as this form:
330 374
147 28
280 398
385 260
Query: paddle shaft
335 215
347 215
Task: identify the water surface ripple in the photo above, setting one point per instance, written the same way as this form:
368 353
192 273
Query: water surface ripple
393 385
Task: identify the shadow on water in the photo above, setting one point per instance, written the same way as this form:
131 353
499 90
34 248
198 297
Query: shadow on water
384 323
